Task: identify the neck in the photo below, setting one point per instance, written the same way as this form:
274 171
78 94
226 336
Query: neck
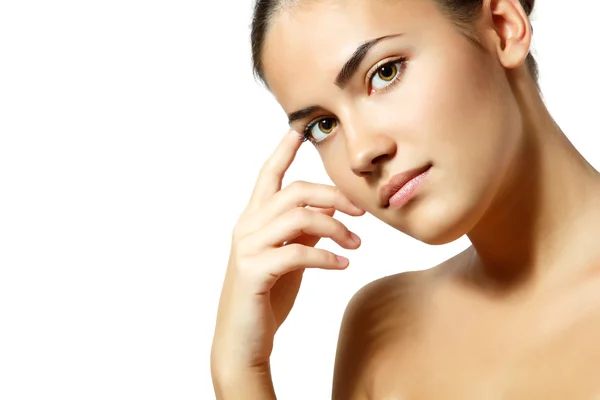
546 219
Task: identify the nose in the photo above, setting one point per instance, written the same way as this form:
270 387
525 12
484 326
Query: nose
367 151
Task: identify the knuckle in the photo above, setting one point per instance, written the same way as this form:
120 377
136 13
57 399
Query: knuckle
339 193
330 258
296 250
325 257
242 248
333 225
250 245
238 232
244 267
299 216
298 188
340 233
245 226
339 196
339 226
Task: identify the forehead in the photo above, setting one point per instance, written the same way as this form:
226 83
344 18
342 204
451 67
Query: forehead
308 42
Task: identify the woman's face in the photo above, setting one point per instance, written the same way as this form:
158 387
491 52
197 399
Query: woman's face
422 96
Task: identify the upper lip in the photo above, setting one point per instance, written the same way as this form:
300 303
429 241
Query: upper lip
397 181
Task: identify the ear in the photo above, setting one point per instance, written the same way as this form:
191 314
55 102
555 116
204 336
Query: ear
512 31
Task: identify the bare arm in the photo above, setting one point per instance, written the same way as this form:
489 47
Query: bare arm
381 306
349 377
272 243
248 384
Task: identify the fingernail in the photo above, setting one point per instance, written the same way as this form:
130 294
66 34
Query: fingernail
342 261
354 237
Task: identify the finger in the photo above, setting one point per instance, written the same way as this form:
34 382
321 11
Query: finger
295 223
251 226
300 194
290 258
310 240
271 174
260 273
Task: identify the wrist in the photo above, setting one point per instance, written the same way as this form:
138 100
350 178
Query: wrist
233 382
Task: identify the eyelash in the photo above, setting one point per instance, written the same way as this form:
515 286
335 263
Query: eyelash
305 136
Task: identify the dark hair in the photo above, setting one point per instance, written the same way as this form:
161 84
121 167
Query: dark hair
462 12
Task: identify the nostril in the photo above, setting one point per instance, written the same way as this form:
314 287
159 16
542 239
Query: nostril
379 159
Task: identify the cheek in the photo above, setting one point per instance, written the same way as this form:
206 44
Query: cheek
339 171
462 108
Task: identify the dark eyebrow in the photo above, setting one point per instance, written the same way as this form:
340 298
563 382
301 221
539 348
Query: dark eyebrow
357 57
348 70
305 112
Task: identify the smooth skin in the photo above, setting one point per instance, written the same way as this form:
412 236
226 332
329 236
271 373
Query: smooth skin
515 316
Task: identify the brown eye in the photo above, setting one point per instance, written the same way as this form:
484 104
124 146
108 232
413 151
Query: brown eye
387 72
327 125
321 129
386 75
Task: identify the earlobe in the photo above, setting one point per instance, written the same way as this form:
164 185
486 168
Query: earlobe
513 31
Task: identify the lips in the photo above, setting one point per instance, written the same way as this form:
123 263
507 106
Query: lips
396 183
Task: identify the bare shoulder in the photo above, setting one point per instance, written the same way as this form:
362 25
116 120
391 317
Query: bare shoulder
381 317
374 312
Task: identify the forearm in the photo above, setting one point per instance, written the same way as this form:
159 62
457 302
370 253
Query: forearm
232 384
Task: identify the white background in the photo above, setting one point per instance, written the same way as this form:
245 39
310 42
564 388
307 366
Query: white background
131 133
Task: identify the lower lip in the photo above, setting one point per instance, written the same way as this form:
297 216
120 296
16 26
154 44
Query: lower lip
406 192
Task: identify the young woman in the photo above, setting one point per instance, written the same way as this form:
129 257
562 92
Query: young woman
426 114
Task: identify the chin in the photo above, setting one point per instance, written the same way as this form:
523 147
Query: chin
437 236
435 224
